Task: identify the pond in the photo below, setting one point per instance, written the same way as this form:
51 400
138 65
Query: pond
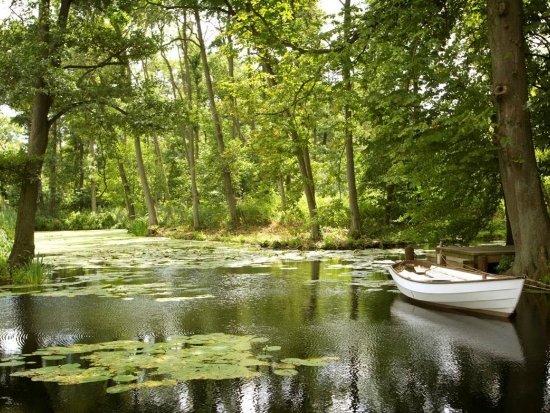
132 324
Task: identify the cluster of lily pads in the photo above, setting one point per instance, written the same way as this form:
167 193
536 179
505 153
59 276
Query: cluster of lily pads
132 364
110 285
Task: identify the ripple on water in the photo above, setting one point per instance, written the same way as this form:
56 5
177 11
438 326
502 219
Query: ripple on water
11 341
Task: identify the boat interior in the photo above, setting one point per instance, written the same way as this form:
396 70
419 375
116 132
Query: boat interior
424 272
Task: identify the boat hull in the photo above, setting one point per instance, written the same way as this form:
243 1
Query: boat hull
496 296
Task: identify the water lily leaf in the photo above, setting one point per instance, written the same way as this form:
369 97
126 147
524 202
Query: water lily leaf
120 388
257 340
124 378
253 362
285 372
311 362
215 356
54 357
279 366
12 363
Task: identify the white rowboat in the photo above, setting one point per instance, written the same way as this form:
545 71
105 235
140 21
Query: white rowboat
461 288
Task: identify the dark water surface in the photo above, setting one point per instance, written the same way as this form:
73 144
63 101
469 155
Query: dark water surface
393 356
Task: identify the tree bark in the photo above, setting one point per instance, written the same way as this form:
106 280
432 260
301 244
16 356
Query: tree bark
23 244
52 173
355 222
79 183
160 161
192 131
236 123
128 199
93 185
149 202
218 131
521 183
304 163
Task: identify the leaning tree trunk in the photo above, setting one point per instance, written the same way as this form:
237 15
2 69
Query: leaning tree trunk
128 198
149 202
355 222
191 129
23 244
304 163
225 171
521 183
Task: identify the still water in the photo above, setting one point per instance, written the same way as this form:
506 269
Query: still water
387 355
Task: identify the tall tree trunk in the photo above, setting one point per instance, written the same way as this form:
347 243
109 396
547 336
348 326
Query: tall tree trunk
282 193
218 131
149 202
304 163
192 130
160 161
23 245
80 176
521 183
390 199
187 128
52 173
93 184
355 223
236 123
301 152
164 180
128 199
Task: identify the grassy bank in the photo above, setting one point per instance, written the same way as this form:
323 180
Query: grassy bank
278 237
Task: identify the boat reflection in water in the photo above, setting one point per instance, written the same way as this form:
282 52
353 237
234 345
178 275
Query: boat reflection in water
491 337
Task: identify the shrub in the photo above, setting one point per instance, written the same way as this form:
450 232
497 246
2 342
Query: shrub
138 226
334 214
8 217
213 216
294 219
255 212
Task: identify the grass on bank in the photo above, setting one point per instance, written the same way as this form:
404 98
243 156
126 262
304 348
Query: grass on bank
34 273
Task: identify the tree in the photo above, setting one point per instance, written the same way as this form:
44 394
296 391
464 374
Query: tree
49 48
218 130
355 223
51 73
529 219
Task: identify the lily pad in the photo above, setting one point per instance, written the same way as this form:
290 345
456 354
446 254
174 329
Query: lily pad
311 362
124 378
54 357
12 363
285 372
215 356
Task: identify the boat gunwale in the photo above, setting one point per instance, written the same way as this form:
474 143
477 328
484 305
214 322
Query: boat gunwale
494 277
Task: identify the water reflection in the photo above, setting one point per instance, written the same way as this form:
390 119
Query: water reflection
495 338
394 356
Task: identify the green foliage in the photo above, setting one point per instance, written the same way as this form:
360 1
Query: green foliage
34 273
77 220
419 114
334 214
256 211
504 264
138 226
